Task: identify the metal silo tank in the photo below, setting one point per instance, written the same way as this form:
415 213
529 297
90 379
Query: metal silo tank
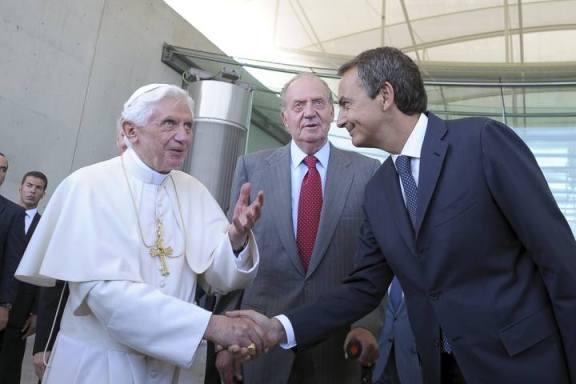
221 119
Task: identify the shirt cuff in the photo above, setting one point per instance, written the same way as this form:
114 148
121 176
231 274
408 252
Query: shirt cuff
287 325
244 261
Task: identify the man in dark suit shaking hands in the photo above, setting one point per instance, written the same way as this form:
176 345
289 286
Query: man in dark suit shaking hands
462 215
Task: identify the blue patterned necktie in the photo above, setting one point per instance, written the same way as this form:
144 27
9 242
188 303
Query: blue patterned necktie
409 185
411 196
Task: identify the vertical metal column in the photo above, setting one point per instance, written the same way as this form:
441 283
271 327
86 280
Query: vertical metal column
221 120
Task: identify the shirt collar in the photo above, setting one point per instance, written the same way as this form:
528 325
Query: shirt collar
297 155
31 212
141 171
413 146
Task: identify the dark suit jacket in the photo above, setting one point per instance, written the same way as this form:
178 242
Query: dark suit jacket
492 260
12 245
13 346
26 294
282 282
48 299
397 332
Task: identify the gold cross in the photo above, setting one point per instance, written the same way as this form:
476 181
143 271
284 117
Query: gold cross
159 250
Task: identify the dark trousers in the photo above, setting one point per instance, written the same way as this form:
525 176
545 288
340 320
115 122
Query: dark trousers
11 355
451 373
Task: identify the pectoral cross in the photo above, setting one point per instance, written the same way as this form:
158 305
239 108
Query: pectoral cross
159 250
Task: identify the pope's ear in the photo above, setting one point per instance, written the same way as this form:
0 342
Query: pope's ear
129 130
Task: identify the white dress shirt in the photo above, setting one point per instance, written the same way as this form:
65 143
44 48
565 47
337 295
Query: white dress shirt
30 213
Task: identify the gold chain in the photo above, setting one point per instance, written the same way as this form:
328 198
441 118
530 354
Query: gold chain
141 233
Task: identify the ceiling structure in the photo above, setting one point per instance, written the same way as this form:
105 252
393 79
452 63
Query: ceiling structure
513 60
475 36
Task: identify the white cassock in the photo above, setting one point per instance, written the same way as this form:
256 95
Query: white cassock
124 322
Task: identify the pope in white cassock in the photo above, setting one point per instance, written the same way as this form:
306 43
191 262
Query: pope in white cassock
134 237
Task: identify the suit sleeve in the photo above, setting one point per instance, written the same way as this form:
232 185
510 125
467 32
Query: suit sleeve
48 299
522 193
361 292
374 320
13 251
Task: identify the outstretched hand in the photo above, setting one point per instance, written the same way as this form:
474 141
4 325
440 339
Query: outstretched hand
245 216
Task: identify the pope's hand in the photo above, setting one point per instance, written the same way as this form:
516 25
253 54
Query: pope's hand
229 367
245 216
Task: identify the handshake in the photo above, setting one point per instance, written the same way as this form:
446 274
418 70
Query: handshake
240 336
245 334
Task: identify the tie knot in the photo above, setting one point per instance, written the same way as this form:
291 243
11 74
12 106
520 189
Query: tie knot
310 161
403 165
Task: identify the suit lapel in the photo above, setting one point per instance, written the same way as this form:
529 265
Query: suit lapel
33 225
339 178
431 162
391 187
281 187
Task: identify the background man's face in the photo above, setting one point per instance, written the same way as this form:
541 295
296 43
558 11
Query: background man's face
32 191
3 168
308 112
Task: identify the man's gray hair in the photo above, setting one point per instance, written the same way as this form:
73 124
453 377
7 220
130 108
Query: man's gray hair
299 76
140 105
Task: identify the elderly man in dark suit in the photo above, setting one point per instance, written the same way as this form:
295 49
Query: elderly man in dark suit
22 320
11 249
306 233
462 215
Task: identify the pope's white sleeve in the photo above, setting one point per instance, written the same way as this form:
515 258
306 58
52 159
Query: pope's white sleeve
229 272
147 320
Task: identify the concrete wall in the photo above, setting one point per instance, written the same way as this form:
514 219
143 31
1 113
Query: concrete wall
66 68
